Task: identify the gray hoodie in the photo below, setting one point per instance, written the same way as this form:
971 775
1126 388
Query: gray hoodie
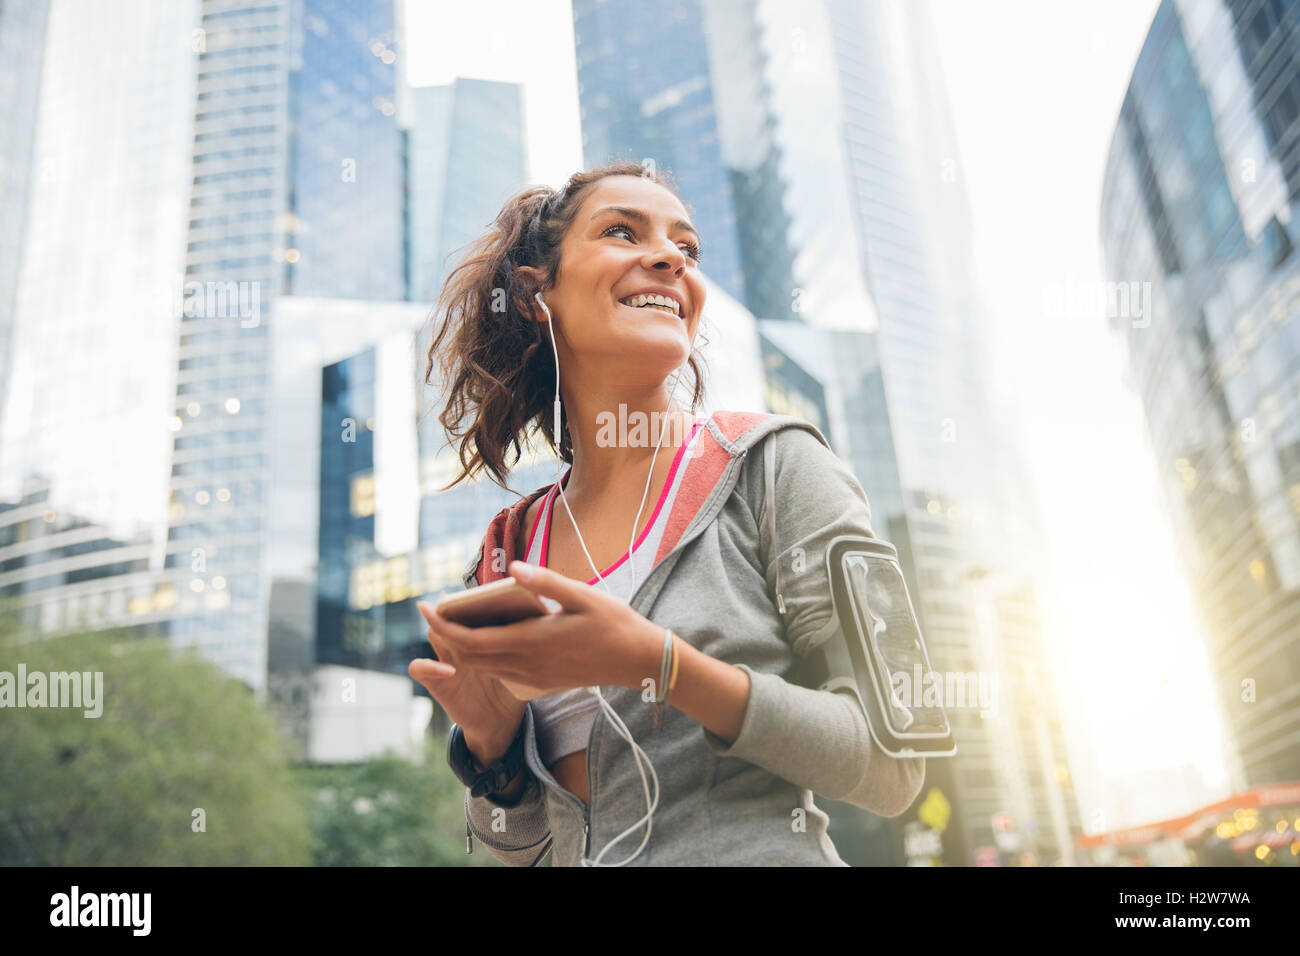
748 802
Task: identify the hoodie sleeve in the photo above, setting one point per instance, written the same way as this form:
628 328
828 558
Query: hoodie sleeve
513 833
814 738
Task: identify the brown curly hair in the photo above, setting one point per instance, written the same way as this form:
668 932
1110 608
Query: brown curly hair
494 360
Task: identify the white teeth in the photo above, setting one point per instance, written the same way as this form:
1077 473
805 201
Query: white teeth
661 301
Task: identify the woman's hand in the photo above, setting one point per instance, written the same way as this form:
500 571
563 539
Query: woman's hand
596 640
477 702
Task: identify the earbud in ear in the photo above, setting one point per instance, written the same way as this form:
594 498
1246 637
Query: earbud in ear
550 327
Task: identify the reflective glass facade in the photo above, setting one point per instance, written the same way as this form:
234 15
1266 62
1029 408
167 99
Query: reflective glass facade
297 190
345 198
22 45
1198 214
466 156
92 351
646 95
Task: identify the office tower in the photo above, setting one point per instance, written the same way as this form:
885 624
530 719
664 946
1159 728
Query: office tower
93 342
344 511
466 157
1198 230
22 45
837 115
241 153
646 96
297 190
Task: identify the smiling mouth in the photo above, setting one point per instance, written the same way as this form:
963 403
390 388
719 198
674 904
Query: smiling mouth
661 302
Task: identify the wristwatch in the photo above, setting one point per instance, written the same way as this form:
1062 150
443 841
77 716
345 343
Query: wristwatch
494 778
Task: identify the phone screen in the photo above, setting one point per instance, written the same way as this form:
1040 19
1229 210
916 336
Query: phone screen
893 639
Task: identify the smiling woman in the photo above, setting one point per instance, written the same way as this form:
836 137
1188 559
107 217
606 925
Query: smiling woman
493 349
576 306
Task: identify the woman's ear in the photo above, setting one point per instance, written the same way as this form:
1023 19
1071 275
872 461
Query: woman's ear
531 279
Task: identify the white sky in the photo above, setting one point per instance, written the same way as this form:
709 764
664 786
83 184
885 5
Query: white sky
516 41
1036 88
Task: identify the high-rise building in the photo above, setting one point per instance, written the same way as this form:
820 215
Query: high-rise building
22 48
343 512
1199 232
85 444
646 95
832 127
465 158
243 152
297 190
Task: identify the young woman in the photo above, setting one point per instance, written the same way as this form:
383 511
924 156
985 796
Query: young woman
653 542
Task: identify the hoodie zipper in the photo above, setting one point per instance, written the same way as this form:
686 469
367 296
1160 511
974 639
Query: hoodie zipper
591 790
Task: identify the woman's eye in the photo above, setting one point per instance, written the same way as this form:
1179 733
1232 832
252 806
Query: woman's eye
690 248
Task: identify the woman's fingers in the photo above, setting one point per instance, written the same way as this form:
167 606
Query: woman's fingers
572 594
447 629
432 674
441 649
476 645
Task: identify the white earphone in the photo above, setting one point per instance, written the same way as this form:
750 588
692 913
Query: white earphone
614 718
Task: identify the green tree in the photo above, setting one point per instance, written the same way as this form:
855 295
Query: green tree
389 812
183 767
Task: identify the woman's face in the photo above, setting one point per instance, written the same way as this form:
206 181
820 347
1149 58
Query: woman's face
630 236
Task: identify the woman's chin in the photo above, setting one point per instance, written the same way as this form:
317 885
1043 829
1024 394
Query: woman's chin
666 345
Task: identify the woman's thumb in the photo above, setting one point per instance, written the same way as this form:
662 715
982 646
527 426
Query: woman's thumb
424 669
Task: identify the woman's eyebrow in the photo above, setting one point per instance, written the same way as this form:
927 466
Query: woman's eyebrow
637 215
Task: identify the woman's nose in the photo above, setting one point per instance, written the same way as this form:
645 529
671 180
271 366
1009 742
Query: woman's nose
668 257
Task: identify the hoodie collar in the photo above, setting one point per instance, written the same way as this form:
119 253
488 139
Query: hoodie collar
727 436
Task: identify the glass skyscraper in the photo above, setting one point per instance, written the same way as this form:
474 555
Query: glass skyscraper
243 152
22 48
647 96
297 190
1198 223
93 342
466 157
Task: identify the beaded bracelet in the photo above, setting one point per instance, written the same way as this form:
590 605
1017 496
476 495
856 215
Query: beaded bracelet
667 672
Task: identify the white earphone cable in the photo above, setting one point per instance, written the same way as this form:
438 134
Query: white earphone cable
637 753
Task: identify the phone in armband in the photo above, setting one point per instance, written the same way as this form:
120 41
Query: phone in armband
884 648
496 604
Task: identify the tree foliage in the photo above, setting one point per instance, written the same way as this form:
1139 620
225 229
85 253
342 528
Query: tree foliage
389 812
184 767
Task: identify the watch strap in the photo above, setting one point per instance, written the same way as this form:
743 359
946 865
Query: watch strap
494 778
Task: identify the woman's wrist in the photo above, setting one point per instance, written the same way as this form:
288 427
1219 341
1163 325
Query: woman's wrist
483 755
647 661
487 750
